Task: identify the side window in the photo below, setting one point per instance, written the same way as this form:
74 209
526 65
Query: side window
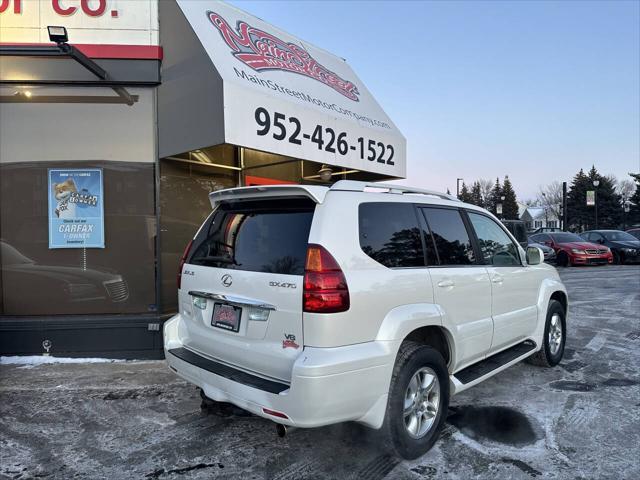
450 236
390 234
588 236
496 246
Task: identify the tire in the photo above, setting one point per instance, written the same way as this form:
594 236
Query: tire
416 360
563 260
550 355
618 258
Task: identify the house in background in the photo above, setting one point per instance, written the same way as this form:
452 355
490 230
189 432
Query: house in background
539 217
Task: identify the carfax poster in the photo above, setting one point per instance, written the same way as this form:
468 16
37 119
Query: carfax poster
76 208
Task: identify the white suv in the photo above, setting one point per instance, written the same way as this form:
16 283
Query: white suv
312 305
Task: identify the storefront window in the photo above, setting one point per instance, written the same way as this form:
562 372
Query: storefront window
38 280
88 132
185 184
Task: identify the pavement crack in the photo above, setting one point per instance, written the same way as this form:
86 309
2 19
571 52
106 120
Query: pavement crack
525 467
179 471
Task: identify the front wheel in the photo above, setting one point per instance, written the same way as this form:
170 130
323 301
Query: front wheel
418 400
563 260
554 337
618 259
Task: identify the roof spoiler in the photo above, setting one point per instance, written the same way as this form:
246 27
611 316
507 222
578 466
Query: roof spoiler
313 192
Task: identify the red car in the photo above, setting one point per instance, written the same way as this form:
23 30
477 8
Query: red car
573 250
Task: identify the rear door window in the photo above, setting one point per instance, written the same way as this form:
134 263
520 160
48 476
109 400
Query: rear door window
390 234
450 236
259 236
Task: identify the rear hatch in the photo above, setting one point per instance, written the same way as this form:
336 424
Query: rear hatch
242 284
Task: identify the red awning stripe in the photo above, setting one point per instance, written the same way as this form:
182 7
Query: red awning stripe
137 52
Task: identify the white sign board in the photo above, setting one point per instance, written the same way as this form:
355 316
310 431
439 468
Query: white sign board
123 22
285 96
591 198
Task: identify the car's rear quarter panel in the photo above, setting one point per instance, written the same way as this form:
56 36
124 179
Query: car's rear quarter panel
374 290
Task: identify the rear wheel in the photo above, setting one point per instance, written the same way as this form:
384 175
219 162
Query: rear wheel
418 400
554 337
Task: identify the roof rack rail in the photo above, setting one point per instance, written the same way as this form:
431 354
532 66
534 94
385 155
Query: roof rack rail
355 186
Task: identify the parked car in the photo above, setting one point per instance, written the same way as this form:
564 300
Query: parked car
519 231
312 305
635 232
624 246
545 230
573 250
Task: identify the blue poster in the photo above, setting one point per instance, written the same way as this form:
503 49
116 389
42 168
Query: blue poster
76 208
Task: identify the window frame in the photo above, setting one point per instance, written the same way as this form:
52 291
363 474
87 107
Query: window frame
476 241
418 224
465 222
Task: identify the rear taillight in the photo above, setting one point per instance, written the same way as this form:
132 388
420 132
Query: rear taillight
182 261
325 288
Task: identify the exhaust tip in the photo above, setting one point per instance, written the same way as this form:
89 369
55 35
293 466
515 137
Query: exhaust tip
281 430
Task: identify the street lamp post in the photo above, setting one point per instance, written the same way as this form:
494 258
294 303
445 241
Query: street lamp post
546 219
499 208
595 199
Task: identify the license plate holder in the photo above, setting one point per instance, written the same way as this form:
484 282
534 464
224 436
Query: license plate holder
226 316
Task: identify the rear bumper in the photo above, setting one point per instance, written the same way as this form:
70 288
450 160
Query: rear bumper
328 385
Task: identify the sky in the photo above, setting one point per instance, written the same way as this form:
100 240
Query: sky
480 89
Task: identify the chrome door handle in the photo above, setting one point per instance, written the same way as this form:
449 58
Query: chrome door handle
446 283
497 279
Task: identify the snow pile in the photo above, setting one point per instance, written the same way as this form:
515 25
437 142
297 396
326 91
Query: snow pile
31 361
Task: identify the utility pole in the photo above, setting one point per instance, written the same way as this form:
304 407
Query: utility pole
564 206
595 199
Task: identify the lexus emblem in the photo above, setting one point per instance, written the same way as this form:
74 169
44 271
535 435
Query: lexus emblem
226 280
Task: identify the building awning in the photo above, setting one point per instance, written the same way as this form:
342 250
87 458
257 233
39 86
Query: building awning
261 88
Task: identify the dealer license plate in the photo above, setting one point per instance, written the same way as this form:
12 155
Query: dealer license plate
226 316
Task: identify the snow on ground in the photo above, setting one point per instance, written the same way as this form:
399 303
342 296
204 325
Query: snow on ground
30 361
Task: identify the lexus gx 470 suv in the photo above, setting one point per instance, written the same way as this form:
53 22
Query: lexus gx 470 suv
312 305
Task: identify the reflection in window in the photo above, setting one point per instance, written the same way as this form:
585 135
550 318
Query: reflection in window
266 236
450 236
389 234
495 245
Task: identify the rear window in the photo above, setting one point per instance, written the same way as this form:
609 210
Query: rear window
450 236
259 236
390 234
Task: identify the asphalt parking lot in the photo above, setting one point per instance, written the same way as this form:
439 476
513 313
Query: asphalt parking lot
580 420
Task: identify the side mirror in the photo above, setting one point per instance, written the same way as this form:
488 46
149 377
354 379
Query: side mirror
534 256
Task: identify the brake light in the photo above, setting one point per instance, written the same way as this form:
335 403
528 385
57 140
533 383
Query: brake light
182 261
325 287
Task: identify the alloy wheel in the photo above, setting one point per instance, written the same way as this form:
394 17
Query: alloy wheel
421 402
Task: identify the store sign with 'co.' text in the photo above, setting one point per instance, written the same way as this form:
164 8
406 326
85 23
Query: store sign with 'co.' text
285 96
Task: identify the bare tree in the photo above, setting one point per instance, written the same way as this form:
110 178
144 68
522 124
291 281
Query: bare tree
486 186
550 197
625 188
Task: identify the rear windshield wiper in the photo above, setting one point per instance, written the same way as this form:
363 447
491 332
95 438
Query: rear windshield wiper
214 259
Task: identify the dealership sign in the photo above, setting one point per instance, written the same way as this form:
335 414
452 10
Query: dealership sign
285 96
76 208
132 22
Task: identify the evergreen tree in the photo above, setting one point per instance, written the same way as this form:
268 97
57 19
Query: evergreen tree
510 203
577 210
609 202
465 195
495 198
582 217
476 194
